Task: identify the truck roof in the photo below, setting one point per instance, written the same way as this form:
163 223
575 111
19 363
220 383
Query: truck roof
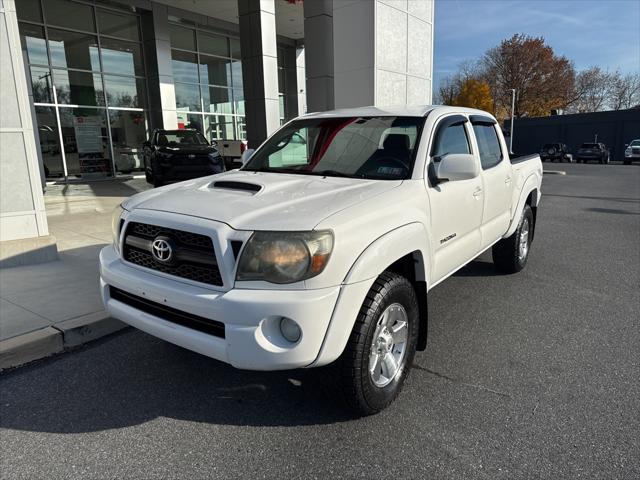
393 111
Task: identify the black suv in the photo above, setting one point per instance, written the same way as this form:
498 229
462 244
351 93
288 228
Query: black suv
555 151
173 155
593 151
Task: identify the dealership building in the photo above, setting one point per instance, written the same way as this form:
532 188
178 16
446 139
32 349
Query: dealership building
84 82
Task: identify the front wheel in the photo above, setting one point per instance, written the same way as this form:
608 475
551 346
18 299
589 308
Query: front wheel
510 254
380 350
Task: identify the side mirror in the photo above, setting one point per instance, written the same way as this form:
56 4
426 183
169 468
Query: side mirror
246 155
457 166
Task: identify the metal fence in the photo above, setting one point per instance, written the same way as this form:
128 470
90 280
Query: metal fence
614 129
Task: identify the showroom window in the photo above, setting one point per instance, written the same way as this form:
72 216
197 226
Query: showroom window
88 81
207 75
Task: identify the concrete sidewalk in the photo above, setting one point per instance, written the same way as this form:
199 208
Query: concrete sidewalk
48 307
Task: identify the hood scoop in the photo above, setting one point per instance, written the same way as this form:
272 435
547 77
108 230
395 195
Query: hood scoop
247 187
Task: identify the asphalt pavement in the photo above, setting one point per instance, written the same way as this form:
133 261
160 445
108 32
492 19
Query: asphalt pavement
533 375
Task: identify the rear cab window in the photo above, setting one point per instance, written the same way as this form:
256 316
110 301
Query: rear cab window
489 148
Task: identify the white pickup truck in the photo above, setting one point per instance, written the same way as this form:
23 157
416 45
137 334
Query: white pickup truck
321 249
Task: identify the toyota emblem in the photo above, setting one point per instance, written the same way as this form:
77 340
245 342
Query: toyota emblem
161 250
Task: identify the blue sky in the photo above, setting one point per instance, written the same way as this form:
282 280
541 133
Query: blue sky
605 33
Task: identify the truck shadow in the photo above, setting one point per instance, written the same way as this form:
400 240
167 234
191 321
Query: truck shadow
131 378
480 267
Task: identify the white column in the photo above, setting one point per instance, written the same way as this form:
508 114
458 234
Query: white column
259 68
23 219
381 52
301 85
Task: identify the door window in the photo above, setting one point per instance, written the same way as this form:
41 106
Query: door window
488 145
450 139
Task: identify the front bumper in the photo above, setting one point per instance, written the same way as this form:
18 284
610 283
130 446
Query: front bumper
252 339
186 172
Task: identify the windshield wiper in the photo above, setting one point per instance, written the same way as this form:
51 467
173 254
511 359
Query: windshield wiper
332 173
272 170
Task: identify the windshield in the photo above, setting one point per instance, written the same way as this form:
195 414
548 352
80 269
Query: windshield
590 145
174 138
357 147
635 143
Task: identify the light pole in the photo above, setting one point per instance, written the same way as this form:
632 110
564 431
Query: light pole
513 107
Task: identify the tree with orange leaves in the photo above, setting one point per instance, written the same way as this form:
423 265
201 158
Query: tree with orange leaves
475 93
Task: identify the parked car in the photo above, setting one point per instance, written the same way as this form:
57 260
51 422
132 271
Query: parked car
632 152
172 155
231 151
289 264
593 151
555 151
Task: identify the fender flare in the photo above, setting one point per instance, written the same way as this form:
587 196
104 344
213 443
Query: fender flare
387 249
530 185
374 259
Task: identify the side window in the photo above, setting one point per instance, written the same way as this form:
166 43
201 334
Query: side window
488 145
450 139
291 151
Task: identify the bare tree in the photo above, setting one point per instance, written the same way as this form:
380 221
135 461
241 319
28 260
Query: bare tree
624 91
451 85
590 91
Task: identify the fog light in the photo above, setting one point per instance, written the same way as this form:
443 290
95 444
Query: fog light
290 329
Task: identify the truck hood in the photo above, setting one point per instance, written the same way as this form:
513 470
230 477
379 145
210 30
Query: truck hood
261 200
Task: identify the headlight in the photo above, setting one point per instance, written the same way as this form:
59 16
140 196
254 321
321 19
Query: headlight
115 226
285 257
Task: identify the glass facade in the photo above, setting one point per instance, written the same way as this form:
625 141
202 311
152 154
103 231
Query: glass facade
88 81
207 75
86 65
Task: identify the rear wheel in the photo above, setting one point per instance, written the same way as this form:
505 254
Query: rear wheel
380 350
510 254
627 162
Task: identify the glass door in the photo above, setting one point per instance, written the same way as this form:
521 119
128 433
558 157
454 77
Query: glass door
86 142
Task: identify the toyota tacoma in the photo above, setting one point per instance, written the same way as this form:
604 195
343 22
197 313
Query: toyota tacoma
322 248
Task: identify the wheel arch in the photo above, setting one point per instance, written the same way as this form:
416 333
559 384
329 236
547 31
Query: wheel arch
402 250
529 195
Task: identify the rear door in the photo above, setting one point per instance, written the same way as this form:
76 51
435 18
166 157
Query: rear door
497 181
456 206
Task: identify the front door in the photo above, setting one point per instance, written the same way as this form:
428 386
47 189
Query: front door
456 206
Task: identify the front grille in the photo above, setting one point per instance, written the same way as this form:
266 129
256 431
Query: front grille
193 254
189 320
184 160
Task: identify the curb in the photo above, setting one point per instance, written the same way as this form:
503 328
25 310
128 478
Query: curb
48 341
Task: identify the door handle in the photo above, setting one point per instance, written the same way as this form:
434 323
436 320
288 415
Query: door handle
507 180
477 192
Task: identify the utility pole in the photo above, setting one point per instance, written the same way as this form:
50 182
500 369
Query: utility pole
513 107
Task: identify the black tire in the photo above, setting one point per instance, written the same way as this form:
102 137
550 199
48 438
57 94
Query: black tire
154 179
627 162
359 390
506 253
